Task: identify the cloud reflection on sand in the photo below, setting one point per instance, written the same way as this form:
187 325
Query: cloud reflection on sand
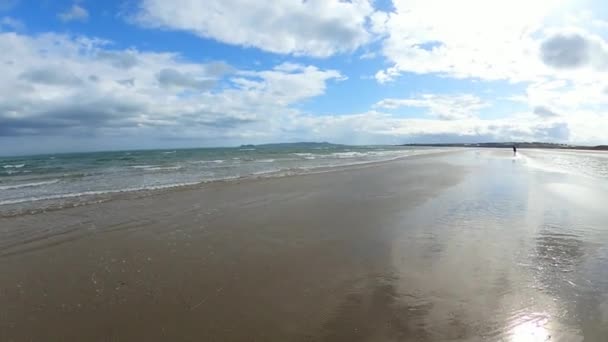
505 257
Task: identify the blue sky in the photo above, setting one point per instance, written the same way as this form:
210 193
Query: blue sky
123 74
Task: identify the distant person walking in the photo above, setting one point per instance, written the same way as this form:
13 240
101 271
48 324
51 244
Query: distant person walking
514 150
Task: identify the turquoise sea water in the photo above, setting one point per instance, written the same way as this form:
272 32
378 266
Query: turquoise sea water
54 177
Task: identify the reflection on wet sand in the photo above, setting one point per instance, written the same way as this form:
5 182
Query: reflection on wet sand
376 312
499 258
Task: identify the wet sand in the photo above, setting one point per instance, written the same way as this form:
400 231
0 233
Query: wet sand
463 246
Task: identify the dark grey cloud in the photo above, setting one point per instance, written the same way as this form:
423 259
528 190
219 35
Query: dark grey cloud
545 112
570 50
121 60
566 50
11 126
79 116
61 119
50 76
174 78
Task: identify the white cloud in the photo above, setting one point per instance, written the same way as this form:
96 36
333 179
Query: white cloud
79 87
169 77
517 41
444 107
75 86
482 39
56 85
317 28
555 54
74 13
378 127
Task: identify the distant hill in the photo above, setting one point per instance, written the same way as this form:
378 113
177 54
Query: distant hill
519 145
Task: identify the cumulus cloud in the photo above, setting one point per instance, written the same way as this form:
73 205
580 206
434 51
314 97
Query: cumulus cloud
574 49
173 78
74 13
567 97
66 86
565 50
119 59
489 40
51 75
317 28
444 107
76 86
517 41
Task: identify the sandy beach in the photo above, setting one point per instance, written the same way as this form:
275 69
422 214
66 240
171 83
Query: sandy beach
473 245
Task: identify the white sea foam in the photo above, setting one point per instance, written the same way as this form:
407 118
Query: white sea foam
16 166
94 193
163 168
156 167
217 161
348 154
27 185
144 166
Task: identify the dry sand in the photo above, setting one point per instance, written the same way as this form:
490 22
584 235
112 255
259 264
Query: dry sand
469 246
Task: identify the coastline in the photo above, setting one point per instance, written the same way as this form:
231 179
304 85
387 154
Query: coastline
272 258
32 206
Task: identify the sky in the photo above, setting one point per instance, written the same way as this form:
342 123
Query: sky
79 75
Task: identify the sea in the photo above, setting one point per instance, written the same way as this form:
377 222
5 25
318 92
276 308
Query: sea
49 178
56 180
586 163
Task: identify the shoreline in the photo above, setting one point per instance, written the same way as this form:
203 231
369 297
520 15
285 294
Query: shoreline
64 201
271 259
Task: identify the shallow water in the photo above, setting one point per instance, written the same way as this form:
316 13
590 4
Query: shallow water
588 163
56 177
517 255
